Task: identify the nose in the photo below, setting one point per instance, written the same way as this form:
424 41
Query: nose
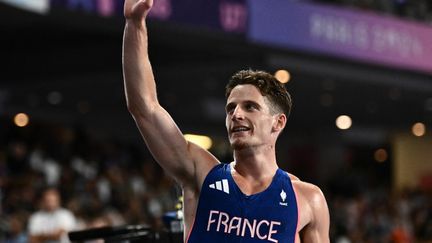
237 113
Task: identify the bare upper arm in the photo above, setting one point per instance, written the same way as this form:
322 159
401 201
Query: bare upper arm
314 213
183 160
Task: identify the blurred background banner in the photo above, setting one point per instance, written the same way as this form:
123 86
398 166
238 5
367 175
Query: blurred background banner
221 15
329 30
362 36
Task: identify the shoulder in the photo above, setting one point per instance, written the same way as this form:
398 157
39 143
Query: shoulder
310 195
311 202
38 215
293 177
307 190
64 211
66 219
34 217
36 222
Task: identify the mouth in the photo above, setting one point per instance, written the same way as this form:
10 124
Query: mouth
238 129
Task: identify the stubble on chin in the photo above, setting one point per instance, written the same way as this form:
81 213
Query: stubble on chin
239 145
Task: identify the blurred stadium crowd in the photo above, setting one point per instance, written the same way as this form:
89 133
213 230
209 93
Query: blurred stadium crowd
109 182
101 182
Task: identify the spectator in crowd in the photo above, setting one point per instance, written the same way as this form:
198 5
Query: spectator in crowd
52 222
16 229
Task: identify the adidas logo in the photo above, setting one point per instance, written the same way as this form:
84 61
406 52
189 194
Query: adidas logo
221 186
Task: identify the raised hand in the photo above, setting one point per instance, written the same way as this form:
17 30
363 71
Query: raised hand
137 10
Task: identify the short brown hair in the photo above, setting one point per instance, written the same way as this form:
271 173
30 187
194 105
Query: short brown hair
268 86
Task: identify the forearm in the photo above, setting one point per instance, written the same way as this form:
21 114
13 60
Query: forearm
140 87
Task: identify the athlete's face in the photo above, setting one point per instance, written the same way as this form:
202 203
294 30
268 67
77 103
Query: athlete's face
249 120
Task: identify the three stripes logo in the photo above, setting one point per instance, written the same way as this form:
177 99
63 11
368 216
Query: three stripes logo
221 186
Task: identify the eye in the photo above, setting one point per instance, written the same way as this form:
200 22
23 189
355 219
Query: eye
250 106
229 109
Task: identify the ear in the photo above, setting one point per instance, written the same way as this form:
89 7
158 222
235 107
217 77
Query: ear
280 122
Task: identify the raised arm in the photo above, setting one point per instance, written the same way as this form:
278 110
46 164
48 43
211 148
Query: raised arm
179 158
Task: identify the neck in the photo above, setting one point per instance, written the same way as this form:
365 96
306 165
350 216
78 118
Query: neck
256 162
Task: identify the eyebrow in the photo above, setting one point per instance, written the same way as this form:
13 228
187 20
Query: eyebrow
253 102
231 104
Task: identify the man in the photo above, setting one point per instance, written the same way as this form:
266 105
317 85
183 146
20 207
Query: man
51 223
248 200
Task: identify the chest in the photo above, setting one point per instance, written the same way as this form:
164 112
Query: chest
273 202
250 187
226 214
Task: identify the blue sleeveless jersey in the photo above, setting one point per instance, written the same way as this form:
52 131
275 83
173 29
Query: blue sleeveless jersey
225 214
